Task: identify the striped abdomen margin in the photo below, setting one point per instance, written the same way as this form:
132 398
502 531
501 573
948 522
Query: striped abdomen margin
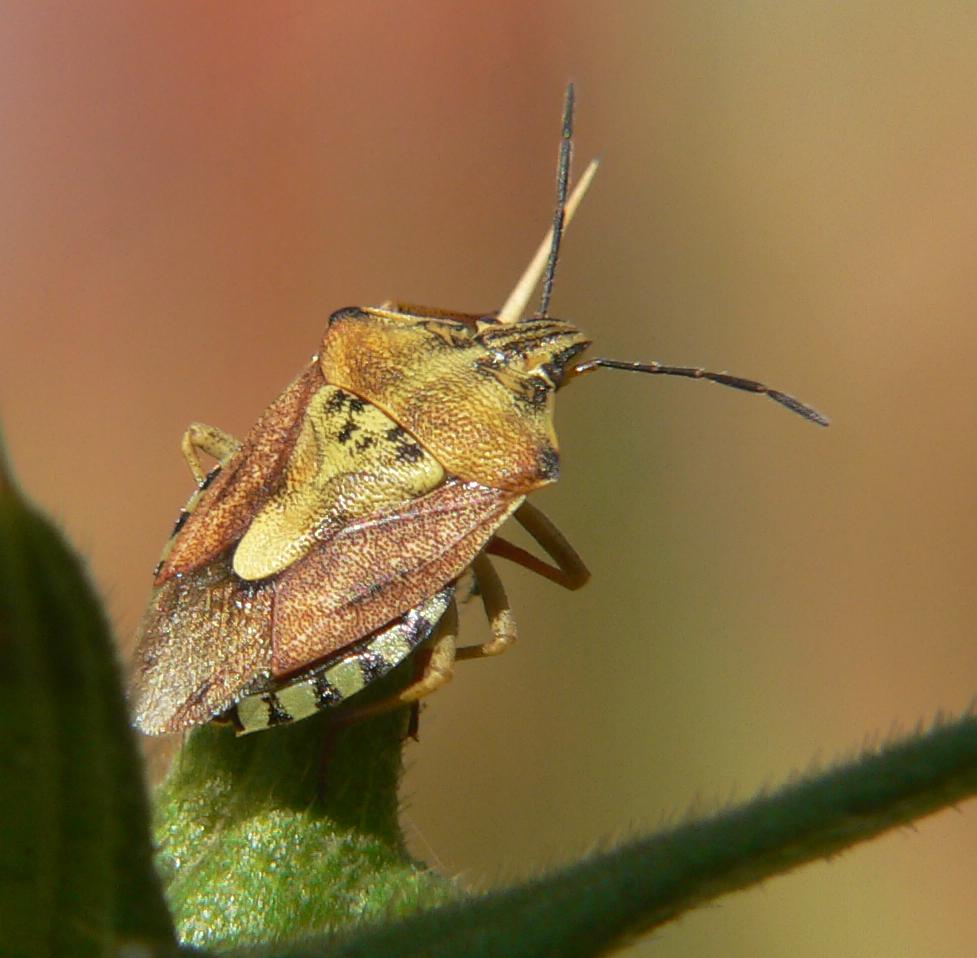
335 681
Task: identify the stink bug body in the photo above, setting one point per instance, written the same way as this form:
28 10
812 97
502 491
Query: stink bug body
325 547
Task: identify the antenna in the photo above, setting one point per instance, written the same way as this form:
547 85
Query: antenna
562 178
724 379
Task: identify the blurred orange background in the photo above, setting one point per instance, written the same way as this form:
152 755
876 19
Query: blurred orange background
789 191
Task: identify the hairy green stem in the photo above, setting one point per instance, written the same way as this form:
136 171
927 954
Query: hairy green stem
281 834
588 908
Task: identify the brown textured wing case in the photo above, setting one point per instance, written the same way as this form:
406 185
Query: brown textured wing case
377 569
202 640
210 636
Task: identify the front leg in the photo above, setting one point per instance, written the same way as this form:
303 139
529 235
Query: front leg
201 438
569 571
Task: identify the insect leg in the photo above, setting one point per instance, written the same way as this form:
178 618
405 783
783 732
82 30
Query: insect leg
437 669
569 571
435 662
497 609
201 438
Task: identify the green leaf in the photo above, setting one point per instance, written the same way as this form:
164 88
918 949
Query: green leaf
76 874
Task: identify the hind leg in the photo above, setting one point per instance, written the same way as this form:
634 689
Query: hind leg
434 669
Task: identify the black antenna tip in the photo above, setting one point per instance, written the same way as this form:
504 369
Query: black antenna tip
568 109
802 409
562 180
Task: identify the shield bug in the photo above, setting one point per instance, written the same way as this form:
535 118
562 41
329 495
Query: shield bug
325 548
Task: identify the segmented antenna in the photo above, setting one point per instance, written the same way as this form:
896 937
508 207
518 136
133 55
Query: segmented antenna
562 178
724 379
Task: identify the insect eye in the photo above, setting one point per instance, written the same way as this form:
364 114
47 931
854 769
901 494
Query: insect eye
557 365
542 386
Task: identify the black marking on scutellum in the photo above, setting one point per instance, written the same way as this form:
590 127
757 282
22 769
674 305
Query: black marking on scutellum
346 433
409 452
407 449
336 401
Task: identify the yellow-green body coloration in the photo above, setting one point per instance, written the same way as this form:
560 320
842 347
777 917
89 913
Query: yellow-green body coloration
349 461
478 399
326 546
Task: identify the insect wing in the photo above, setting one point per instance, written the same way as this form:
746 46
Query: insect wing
210 637
203 639
374 570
